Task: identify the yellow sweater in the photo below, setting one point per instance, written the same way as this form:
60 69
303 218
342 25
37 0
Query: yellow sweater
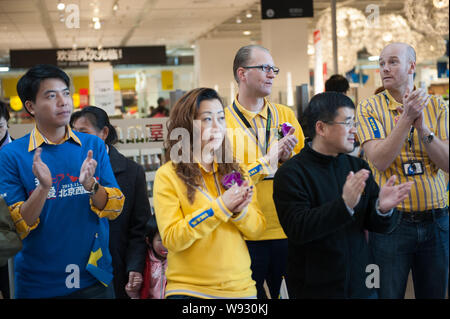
251 151
207 254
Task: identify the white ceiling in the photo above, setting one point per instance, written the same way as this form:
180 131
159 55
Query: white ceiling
35 24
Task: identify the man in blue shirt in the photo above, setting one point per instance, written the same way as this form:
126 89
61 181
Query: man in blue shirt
60 190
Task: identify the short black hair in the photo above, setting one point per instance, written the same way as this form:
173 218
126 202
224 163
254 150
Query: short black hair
337 83
99 119
29 84
4 112
151 228
324 107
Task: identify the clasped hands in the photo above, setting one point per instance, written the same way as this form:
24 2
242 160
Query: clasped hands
236 198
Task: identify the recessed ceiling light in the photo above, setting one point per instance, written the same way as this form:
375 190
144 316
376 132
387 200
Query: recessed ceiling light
246 33
249 14
61 6
238 20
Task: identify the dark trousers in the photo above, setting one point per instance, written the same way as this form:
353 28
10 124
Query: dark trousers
96 291
4 281
269 262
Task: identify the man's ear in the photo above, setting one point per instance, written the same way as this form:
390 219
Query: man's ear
320 128
30 107
412 67
241 74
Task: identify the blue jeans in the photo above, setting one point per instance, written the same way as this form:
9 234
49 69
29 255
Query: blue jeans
418 246
269 262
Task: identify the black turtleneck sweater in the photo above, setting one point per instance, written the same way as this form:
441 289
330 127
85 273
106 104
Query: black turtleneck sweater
328 252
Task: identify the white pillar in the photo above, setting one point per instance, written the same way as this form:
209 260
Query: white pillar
213 63
287 41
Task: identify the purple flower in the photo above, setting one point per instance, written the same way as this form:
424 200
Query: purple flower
284 129
232 178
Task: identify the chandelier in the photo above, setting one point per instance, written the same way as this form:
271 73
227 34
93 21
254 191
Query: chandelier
428 47
350 31
391 28
428 16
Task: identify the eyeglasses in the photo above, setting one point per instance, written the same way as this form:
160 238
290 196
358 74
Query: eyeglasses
348 124
264 67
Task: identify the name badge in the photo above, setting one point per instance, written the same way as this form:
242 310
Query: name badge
412 168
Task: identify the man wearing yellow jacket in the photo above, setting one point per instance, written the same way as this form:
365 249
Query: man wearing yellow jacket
253 124
202 223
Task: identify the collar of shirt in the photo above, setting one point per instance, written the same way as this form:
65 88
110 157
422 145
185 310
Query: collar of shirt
215 166
249 114
393 104
37 139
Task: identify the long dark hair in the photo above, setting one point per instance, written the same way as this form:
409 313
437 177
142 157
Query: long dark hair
99 119
183 115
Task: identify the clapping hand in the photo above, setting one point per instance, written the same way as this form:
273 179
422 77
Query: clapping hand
41 170
87 171
354 186
390 196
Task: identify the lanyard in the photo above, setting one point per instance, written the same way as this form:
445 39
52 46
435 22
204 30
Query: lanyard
247 124
411 131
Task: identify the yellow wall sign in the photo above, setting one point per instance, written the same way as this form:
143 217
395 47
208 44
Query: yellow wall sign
167 80
15 103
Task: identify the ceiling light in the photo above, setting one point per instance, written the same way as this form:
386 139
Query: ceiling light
249 14
246 33
4 69
238 20
61 6
97 25
116 6
373 58
440 3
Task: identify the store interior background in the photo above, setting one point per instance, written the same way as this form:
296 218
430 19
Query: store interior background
201 37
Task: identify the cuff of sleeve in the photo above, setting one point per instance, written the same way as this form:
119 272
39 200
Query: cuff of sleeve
387 214
114 204
240 215
350 210
22 227
219 206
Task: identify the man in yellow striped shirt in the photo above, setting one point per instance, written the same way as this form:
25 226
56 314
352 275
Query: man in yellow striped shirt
404 132
252 124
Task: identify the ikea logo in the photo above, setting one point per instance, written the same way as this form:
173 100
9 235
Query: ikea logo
255 170
201 217
374 126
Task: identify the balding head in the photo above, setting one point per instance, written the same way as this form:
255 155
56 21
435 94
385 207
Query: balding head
408 51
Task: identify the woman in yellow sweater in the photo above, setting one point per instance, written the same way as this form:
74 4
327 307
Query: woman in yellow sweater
202 223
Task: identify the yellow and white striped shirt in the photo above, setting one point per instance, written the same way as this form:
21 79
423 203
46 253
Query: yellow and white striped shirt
377 117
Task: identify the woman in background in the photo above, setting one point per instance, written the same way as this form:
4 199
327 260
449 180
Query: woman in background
127 232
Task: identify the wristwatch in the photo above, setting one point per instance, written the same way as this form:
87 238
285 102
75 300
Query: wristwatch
428 138
95 187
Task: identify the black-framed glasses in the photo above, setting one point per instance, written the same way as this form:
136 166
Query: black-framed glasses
264 67
348 124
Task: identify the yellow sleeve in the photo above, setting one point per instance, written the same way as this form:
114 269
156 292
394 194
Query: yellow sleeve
251 221
22 227
179 230
369 127
114 204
